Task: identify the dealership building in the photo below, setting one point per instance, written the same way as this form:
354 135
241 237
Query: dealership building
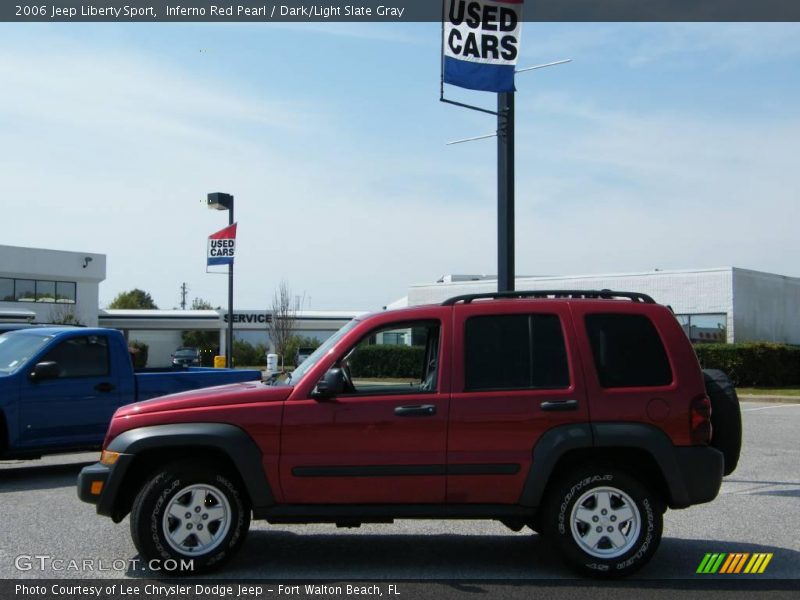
49 286
724 304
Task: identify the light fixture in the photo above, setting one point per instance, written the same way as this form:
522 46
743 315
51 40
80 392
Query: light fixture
86 261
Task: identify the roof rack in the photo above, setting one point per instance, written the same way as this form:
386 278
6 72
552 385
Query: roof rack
574 294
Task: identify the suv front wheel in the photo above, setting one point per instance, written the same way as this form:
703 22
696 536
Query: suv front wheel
196 516
603 521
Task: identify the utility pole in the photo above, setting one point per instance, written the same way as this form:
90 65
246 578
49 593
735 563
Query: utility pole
184 291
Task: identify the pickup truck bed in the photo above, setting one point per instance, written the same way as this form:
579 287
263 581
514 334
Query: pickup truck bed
59 387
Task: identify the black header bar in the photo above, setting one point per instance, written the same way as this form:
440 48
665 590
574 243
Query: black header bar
252 11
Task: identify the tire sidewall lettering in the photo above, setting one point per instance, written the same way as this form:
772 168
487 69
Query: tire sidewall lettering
162 489
566 500
648 537
156 518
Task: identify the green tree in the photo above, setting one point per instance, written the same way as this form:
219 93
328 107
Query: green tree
134 299
64 314
138 351
284 314
200 304
247 355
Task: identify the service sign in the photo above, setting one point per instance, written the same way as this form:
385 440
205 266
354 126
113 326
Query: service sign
481 43
222 246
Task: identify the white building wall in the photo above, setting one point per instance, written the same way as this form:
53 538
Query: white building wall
161 345
701 291
766 306
56 265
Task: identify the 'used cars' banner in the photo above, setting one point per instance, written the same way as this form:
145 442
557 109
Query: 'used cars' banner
481 43
222 246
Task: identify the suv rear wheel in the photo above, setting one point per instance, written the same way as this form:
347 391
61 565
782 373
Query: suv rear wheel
603 521
186 512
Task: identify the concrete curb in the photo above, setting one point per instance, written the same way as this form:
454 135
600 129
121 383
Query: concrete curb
770 399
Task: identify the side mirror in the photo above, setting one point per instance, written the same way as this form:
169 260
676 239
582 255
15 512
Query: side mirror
45 370
331 385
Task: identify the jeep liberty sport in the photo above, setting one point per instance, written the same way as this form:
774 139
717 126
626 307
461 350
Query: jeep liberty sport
582 415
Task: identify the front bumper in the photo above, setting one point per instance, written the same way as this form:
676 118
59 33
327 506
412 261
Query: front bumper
89 479
100 484
701 470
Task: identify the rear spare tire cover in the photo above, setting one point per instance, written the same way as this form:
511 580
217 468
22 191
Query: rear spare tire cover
726 418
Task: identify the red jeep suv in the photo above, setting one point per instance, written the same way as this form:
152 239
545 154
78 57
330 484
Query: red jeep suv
580 414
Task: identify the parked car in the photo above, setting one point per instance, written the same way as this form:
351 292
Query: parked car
581 415
186 357
59 387
302 354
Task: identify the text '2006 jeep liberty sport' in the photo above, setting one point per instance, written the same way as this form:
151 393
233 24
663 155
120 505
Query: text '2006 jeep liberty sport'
582 415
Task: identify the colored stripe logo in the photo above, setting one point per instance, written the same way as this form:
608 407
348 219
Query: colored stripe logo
734 563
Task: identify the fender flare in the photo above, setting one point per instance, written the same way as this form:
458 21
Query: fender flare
548 450
556 442
235 443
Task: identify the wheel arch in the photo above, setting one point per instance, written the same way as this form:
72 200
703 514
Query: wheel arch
644 451
149 448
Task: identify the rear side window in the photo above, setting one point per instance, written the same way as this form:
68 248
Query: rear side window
81 357
627 351
506 352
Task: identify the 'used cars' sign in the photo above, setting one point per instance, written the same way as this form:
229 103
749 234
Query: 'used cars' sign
222 246
481 43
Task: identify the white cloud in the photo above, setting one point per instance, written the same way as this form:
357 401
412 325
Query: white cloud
115 152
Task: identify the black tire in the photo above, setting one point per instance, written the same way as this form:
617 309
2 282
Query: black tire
726 417
589 483
168 487
3 435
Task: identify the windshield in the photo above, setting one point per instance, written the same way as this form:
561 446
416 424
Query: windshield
16 348
186 353
315 356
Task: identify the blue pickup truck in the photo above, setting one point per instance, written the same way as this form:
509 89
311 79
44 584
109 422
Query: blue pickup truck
59 387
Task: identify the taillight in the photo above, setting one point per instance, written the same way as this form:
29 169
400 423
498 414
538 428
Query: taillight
700 421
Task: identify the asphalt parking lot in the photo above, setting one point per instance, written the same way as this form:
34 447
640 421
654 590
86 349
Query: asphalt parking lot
757 511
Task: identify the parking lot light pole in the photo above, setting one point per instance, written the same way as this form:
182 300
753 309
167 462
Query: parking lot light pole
505 174
505 192
222 201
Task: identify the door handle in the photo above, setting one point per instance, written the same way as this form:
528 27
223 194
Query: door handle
418 410
560 405
104 387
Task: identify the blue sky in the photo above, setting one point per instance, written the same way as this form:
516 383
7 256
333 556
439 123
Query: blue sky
661 145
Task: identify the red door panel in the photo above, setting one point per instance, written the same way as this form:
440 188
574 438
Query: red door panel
492 433
371 448
357 450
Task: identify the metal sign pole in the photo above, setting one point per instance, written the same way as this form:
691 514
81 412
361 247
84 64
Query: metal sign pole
229 337
505 192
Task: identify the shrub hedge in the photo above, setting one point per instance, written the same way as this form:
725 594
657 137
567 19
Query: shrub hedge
139 357
388 361
247 355
753 364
